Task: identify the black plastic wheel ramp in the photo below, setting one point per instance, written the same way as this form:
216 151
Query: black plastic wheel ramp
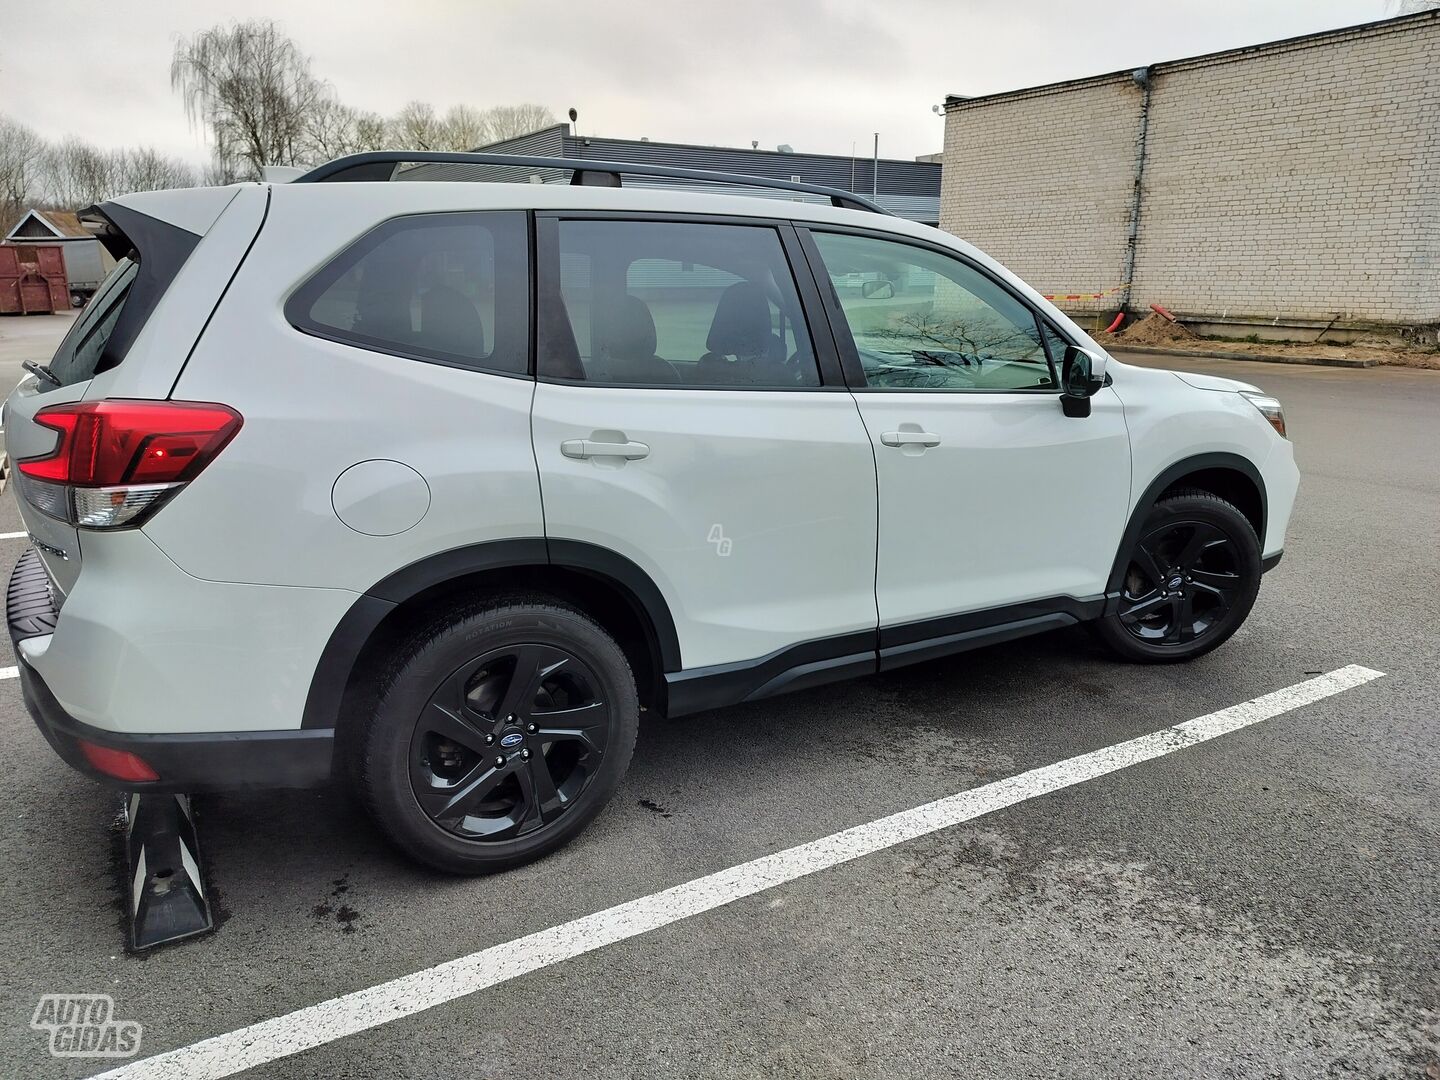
167 890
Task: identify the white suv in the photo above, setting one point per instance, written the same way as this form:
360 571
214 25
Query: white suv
440 484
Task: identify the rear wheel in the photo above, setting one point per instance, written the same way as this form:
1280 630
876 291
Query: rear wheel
501 733
1191 580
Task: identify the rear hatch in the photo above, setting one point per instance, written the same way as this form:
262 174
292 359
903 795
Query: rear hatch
156 259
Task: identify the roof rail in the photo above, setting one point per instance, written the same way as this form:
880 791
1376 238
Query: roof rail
383 164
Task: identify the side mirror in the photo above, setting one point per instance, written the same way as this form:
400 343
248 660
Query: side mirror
879 289
1082 377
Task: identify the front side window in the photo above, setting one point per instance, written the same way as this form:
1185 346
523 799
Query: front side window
647 303
922 320
451 288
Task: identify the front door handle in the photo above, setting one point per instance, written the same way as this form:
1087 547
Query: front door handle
910 438
594 448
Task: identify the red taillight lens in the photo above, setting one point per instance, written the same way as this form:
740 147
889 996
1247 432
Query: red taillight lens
117 462
120 764
109 443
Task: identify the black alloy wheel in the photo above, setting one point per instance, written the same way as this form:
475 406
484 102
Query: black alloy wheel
1190 580
509 742
500 732
1182 581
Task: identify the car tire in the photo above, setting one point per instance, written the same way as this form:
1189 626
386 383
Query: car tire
500 732
1190 579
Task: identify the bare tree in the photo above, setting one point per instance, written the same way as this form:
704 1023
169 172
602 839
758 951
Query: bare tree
22 155
78 174
330 131
145 169
252 89
416 127
466 127
371 132
1412 7
508 121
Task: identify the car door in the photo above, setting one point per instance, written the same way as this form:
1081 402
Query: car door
686 419
995 508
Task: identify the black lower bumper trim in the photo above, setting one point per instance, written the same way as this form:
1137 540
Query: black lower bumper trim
214 761
1269 562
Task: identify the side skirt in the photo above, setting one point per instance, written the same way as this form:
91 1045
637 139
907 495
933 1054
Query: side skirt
848 656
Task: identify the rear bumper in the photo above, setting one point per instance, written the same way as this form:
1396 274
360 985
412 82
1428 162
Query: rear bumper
209 761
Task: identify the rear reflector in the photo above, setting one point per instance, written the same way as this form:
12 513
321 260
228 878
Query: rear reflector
121 764
116 461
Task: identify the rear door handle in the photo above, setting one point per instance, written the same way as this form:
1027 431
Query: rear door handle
909 438
593 448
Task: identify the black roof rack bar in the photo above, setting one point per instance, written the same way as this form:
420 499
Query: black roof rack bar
381 165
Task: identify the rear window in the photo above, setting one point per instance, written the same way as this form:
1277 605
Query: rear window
78 357
445 288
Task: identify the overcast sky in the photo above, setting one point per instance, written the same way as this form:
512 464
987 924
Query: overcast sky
818 74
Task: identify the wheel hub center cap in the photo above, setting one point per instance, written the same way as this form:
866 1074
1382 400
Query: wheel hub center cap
1175 582
511 739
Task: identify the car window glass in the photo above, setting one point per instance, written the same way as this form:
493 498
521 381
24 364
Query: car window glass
1056 345
78 356
922 320
650 303
446 287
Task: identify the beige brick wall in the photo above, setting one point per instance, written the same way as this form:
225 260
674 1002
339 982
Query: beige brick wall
1297 180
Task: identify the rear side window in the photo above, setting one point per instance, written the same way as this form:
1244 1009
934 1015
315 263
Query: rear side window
78 357
673 303
445 288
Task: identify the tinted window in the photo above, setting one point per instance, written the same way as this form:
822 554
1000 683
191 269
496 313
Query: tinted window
1056 344
923 320
78 357
453 288
647 303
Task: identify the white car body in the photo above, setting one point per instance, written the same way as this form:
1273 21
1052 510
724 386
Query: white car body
763 521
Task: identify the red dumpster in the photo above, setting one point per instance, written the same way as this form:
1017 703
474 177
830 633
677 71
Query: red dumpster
32 279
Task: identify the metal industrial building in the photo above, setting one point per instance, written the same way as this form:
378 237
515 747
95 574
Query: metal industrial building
909 189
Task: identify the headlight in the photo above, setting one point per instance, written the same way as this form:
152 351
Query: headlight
1269 408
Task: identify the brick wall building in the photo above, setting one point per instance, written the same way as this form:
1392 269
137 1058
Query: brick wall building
1281 186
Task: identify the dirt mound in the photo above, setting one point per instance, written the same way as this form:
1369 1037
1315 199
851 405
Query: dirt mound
1155 329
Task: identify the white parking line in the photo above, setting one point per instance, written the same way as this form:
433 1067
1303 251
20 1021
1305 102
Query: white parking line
9 672
316 1025
13 536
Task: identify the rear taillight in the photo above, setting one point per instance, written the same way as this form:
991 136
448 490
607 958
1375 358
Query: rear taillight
118 461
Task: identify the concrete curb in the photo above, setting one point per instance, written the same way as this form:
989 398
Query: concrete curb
1264 358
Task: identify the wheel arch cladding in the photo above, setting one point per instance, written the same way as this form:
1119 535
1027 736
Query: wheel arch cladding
1227 476
607 586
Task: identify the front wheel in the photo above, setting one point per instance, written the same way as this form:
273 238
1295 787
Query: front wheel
1192 578
502 732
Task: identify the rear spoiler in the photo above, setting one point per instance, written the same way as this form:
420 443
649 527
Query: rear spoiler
161 250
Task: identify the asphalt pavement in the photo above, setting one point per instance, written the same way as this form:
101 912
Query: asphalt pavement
1261 905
